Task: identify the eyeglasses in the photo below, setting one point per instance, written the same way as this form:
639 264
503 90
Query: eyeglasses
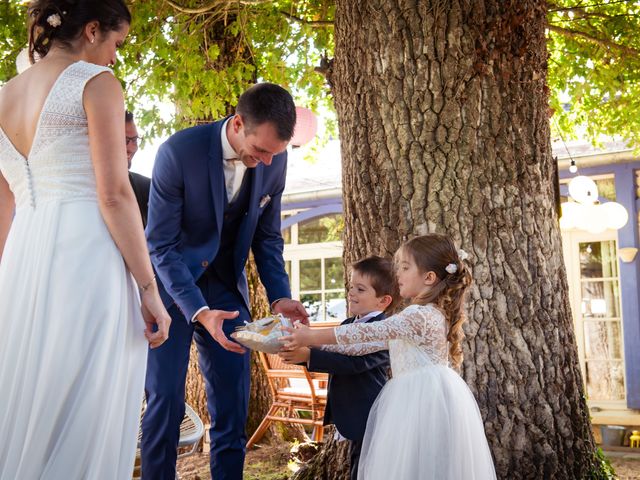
135 139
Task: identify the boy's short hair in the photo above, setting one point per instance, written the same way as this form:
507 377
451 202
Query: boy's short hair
380 272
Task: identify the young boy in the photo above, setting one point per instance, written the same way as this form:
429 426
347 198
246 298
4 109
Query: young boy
354 382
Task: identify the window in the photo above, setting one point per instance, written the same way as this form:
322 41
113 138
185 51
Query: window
313 253
606 187
594 290
321 229
601 320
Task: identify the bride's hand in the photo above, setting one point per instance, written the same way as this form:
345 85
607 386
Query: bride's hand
154 313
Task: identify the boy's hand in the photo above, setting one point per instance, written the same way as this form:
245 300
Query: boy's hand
299 336
293 357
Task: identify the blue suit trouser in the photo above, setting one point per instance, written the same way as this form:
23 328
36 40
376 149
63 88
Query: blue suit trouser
226 376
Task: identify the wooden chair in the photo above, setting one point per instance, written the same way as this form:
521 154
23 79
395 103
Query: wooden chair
294 389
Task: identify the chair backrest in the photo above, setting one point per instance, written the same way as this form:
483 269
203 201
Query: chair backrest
280 376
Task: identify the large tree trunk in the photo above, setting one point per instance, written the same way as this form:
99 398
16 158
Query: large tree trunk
443 116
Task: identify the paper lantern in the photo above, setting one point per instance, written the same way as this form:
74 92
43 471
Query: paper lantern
591 218
306 127
616 215
582 189
570 212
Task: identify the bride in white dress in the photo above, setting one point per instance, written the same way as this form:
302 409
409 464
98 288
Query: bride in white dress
425 423
72 342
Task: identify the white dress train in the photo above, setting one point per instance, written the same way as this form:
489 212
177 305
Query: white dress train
425 423
72 347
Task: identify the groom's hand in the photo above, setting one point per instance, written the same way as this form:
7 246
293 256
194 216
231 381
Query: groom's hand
292 309
212 320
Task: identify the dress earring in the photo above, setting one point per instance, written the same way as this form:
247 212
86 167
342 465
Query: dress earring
93 39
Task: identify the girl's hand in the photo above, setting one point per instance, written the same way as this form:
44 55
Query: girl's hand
300 336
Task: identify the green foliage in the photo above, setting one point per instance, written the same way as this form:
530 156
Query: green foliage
334 225
202 62
594 68
603 470
13 36
200 55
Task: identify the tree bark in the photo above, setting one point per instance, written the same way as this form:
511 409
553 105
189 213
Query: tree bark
260 398
331 463
443 117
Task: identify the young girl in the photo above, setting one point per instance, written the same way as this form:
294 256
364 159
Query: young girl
425 424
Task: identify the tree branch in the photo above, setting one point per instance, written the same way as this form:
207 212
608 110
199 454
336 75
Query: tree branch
556 8
311 23
582 13
213 5
598 41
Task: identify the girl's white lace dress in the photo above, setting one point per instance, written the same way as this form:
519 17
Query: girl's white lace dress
72 347
425 424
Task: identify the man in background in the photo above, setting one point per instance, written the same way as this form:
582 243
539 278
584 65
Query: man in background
141 184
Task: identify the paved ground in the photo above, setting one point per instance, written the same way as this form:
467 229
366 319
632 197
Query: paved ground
626 465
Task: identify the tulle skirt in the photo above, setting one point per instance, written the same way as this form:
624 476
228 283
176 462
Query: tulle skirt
425 425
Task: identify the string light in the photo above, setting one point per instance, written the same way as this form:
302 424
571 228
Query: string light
572 167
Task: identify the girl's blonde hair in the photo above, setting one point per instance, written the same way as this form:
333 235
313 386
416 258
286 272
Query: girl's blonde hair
437 253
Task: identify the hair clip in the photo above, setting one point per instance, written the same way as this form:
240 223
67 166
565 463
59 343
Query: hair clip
451 268
54 20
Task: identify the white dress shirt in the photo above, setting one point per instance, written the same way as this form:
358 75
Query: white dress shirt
233 168
366 317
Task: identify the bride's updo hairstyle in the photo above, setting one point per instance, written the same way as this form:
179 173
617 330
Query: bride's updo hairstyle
437 253
61 21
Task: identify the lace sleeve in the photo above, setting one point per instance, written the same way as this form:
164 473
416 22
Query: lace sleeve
356 350
417 323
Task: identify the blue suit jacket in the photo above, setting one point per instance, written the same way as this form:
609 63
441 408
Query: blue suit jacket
186 208
354 384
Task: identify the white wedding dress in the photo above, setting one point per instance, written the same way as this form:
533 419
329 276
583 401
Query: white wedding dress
72 347
425 423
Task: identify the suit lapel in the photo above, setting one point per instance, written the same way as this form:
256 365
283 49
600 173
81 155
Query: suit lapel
216 174
348 321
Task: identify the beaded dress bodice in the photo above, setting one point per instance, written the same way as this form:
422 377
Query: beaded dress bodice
59 163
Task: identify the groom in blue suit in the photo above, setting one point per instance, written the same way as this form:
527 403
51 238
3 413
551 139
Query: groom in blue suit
215 194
